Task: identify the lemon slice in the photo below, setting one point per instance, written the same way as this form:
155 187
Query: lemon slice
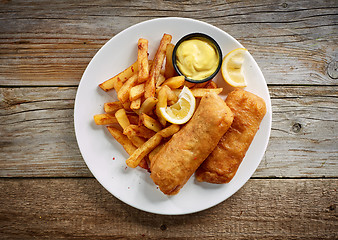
232 70
182 110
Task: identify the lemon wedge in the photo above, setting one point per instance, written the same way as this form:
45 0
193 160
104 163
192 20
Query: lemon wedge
232 70
182 110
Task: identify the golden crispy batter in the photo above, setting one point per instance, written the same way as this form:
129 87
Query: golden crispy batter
222 164
179 158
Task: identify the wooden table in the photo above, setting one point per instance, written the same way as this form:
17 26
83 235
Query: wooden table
48 192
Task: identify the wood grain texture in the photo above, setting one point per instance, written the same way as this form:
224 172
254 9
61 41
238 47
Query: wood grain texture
293 42
37 133
45 47
82 209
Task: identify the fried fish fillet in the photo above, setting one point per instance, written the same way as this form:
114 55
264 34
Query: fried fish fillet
179 158
222 164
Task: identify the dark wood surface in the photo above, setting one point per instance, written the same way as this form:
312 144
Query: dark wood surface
80 208
48 192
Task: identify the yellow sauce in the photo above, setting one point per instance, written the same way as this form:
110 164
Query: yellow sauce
197 58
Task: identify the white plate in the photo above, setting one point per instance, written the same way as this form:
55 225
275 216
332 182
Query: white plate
98 148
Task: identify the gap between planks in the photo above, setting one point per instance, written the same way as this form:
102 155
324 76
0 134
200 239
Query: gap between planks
302 143
81 208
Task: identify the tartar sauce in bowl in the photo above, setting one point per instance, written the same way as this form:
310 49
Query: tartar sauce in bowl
198 57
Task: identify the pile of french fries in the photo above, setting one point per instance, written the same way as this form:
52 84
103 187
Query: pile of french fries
142 89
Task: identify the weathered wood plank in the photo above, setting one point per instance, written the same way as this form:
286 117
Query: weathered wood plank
294 43
37 124
80 208
37 134
303 139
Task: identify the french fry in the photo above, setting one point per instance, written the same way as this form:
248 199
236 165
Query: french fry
118 84
134 159
122 119
169 131
140 131
189 84
122 139
211 84
169 68
149 90
149 145
200 92
112 107
123 76
136 104
156 67
126 105
108 84
148 105
136 140
133 119
136 92
126 144
201 85
132 135
161 79
150 64
142 59
171 96
150 123
123 93
162 103
105 119
174 82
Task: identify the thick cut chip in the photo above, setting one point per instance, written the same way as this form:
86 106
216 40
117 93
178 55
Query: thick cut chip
142 60
156 67
122 76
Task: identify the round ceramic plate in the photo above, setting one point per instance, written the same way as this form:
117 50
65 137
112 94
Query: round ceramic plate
106 158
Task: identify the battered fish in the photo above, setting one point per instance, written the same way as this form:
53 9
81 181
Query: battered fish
222 164
179 158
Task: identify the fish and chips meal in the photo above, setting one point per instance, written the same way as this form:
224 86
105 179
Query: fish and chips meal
175 128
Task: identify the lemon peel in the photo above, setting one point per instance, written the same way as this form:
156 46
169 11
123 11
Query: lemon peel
182 110
232 69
